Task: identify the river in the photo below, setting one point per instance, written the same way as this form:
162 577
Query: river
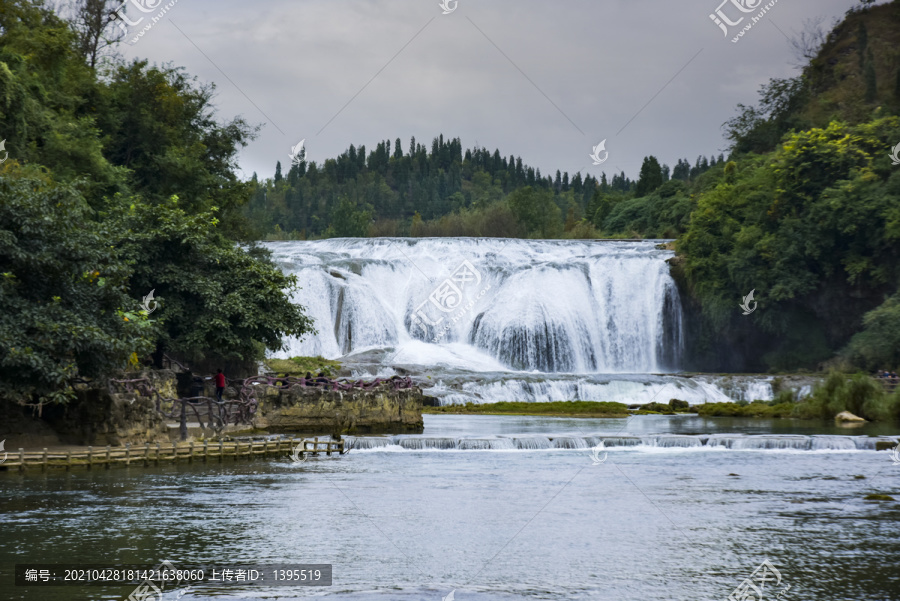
656 521
499 507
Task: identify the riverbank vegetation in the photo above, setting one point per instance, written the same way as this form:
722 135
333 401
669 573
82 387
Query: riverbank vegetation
858 394
121 234
550 409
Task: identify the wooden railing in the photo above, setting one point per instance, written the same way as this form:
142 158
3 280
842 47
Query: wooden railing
890 384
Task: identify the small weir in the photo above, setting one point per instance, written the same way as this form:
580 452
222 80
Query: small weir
735 442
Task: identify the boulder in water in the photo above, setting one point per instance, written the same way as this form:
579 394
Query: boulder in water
679 405
846 416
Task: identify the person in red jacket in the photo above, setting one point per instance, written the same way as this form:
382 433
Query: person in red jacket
220 385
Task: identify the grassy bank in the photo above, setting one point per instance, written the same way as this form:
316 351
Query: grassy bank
554 409
299 366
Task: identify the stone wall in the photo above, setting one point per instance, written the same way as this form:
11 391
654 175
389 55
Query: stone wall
316 411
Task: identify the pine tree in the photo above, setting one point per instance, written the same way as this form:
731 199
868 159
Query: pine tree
651 177
869 74
862 39
897 86
278 172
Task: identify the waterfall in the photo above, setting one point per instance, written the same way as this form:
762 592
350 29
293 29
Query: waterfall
576 307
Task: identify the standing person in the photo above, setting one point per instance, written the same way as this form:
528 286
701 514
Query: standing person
220 385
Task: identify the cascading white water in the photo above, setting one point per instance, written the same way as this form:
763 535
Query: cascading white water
490 304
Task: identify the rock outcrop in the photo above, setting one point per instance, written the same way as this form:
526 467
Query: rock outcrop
846 416
307 410
97 416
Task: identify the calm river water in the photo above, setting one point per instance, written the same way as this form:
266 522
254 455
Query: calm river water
665 520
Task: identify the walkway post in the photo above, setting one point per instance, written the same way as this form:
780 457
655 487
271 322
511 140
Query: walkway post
183 420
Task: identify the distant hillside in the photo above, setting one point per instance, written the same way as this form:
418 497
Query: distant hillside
853 77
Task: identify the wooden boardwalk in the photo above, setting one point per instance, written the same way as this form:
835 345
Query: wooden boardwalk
156 453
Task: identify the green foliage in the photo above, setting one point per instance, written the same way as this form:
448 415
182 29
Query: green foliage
450 189
859 394
877 346
813 228
536 212
754 409
651 177
759 129
66 312
160 124
862 40
214 296
663 214
348 222
300 366
492 220
92 223
870 77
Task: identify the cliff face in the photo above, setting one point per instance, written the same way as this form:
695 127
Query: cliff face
318 411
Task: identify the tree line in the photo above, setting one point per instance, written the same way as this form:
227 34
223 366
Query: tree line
443 191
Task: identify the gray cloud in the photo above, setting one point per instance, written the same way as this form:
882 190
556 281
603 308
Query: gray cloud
594 63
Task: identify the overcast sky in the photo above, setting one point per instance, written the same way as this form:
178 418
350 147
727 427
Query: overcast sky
542 80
